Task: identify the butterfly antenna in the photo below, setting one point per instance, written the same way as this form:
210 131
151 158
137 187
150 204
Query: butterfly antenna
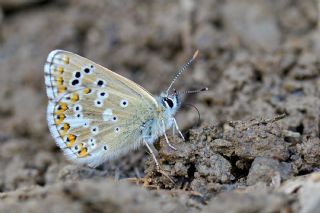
182 69
195 91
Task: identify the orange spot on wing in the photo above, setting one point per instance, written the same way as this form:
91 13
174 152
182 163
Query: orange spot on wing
64 129
86 91
57 70
61 108
71 139
66 59
59 80
59 119
61 89
83 152
60 70
74 98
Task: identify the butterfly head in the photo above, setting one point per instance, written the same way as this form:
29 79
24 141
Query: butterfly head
171 103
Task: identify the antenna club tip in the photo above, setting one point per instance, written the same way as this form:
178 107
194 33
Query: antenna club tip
205 89
195 55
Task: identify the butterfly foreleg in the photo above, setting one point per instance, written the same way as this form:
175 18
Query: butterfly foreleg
177 127
165 135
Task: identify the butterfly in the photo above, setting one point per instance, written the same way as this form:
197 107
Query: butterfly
95 114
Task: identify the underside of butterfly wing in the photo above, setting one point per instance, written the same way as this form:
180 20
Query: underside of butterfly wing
93 113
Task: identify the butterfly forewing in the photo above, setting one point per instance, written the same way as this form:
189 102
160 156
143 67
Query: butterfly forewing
92 111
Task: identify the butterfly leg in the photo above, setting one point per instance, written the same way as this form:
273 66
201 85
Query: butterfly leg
177 127
157 163
152 154
167 140
174 133
173 130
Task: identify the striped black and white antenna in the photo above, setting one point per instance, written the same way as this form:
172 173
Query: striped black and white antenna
182 69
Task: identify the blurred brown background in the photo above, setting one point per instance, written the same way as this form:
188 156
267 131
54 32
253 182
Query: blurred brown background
258 58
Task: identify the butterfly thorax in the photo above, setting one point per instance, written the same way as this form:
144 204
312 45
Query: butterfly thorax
161 119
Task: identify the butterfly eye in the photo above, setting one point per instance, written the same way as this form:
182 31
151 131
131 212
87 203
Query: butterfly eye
169 102
123 103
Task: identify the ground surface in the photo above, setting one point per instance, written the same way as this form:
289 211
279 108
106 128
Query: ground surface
257 148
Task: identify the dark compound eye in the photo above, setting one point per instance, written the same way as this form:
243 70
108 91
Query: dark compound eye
169 102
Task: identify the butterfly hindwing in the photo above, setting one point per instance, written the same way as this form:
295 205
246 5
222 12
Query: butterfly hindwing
92 111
